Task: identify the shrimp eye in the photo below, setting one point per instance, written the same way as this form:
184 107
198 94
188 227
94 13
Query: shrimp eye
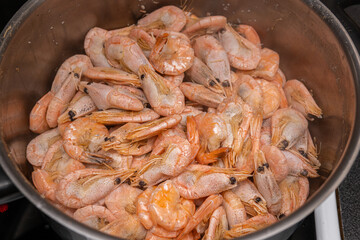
260 169
86 91
304 154
147 105
284 144
232 180
225 83
218 80
212 83
258 199
266 165
142 76
71 115
281 216
76 75
128 181
222 31
304 172
117 181
142 184
89 83
106 139
310 116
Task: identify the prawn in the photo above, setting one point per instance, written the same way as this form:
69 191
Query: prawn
212 53
242 53
125 229
218 224
200 94
205 26
94 216
37 120
235 210
106 97
94 46
112 76
298 165
117 116
300 99
88 186
273 98
268 64
145 41
168 18
172 53
277 162
249 33
163 100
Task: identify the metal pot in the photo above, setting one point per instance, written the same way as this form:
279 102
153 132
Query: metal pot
312 44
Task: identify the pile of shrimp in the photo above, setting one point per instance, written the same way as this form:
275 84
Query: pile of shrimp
178 127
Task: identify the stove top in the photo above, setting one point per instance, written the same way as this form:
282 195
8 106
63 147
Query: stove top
20 220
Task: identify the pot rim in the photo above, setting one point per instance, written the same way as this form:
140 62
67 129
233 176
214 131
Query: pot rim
333 181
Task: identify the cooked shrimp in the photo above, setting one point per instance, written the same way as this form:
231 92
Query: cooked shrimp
129 228
249 33
117 116
37 119
211 52
94 46
145 41
205 26
294 192
203 213
300 99
251 225
298 165
250 196
82 141
201 74
168 209
94 216
278 78
201 181
272 98
277 162
37 148
266 184
124 53
168 18
172 54
235 210
142 208
287 126
79 106
112 75
268 65
242 53
200 94
218 224
163 100
87 186
44 183
137 92
106 97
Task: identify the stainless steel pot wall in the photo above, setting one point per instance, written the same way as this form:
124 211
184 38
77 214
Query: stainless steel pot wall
312 44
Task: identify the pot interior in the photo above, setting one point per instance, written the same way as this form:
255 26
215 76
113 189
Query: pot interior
55 30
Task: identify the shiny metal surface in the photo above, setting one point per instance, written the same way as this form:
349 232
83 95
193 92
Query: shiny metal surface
313 47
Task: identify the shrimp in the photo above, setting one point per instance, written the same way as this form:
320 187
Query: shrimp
94 46
202 214
145 41
172 53
205 26
119 161
168 209
79 106
287 126
250 196
65 85
94 216
242 53
249 33
277 162
200 94
201 74
82 141
305 146
37 120
112 76
218 224
199 181
266 184
168 18
37 148
163 100
117 116
128 228
300 99
44 183
268 65
294 191
142 208
235 210
211 52
106 97
272 98
124 53
298 165
88 186
251 225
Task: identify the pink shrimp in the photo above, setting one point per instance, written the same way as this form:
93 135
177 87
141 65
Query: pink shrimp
94 46
117 116
200 94
94 216
112 76
207 25
249 33
235 210
37 118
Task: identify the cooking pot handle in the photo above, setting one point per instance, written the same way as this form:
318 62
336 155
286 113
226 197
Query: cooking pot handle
337 7
8 191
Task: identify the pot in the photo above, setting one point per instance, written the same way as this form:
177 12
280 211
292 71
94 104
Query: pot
313 46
